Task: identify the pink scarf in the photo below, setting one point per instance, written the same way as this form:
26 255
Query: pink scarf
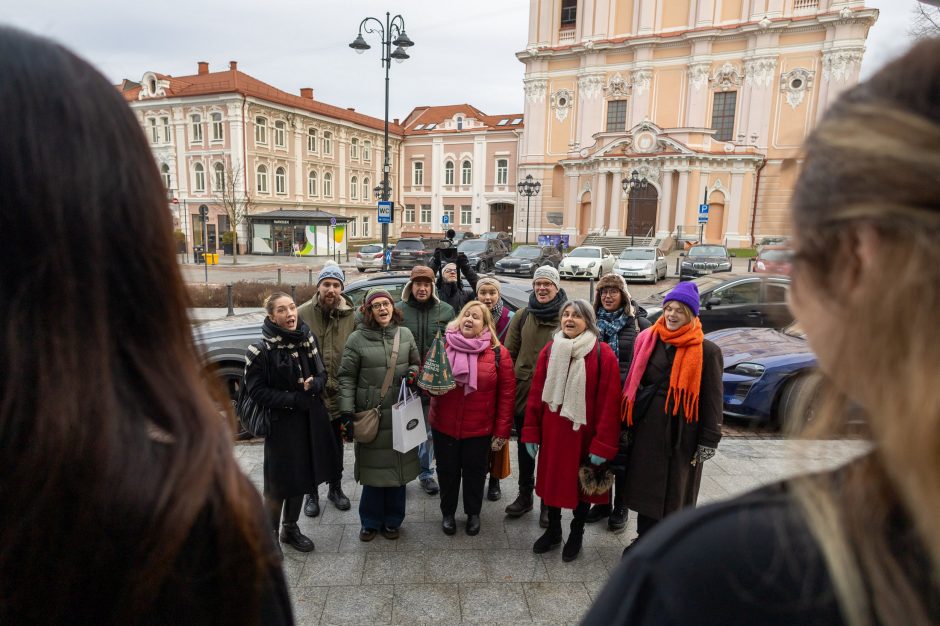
459 350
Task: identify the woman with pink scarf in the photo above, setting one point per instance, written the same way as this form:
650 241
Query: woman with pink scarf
474 417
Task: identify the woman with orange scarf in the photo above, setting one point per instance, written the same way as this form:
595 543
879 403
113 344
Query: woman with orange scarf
672 406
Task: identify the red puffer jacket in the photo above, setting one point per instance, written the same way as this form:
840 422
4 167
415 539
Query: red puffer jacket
485 412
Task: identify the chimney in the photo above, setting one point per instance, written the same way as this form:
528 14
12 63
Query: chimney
203 67
395 121
351 109
306 92
233 65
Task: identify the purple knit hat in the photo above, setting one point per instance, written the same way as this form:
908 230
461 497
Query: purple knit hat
687 294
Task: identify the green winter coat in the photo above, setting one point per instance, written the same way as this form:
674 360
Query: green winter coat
526 337
331 332
365 361
424 320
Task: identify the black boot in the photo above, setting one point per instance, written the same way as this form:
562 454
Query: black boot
493 493
449 525
521 505
312 505
551 538
573 544
618 519
473 525
597 513
291 535
337 497
543 516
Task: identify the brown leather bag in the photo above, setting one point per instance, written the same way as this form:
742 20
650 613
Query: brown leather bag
366 423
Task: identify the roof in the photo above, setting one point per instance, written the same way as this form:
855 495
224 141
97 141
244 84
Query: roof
417 122
235 81
299 214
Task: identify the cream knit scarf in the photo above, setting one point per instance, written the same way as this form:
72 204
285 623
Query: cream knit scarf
565 381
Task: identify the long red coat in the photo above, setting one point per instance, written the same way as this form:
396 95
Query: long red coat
562 449
485 412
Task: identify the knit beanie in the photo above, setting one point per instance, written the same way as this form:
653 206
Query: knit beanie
687 294
375 293
334 271
488 280
547 272
611 280
422 272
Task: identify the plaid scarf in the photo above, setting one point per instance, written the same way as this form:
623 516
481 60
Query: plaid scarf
610 323
300 344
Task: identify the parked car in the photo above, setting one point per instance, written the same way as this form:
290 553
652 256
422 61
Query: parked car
735 300
499 235
587 262
770 375
524 260
646 263
483 253
370 257
411 251
462 235
770 241
701 260
773 259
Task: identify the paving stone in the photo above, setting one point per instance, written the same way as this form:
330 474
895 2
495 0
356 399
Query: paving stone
516 566
557 602
493 603
429 536
308 603
370 604
329 514
426 604
394 567
352 543
588 566
329 569
453 566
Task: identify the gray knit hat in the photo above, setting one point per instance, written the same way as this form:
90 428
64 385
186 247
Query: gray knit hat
334 271
547 272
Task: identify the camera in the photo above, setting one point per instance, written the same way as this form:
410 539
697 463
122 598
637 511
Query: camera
447 248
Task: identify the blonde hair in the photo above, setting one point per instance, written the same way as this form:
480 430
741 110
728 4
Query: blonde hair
872 166
487 320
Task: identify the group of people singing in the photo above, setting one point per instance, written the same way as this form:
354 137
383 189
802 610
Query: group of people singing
616 412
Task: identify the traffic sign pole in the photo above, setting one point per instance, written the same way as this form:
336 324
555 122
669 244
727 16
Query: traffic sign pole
385 218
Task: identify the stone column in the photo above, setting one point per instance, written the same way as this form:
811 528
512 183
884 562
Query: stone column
647 13
705 15
733 203
682 198
599 200
615 221
433 168
665 206
572 203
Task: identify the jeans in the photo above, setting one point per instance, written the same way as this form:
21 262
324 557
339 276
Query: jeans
466 461
426 449
382 507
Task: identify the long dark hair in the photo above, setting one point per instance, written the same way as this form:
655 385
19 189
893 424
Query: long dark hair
112 446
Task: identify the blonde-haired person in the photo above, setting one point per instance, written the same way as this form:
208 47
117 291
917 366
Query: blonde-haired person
475 416
855 545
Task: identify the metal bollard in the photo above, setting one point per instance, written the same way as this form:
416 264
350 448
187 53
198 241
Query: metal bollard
591 289
231 307
293 292
310 276
278 276
678 260
750 264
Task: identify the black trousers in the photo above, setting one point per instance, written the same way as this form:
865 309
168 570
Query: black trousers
526 462
290 507
644 524
466 459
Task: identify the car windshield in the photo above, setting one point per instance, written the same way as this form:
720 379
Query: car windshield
526 252
372 248
634 254
586 253
794 330
775 255
472 245
707 251
411 244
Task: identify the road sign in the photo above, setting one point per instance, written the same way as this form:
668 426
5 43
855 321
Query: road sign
385 212
332 221
445 219
388 257
703 214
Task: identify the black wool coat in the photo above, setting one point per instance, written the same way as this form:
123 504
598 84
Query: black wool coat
660 476
301 451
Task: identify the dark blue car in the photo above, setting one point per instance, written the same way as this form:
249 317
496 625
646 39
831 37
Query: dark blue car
770 375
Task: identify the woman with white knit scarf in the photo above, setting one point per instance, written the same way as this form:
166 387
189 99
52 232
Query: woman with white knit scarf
572 419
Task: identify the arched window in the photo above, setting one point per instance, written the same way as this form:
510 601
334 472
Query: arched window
199 177
449 173
261 131
312 184
196 125
367 151
354 149
417 173
312 140
354 187
459 123
365 190
328 184
165 175
219 179
262 179
280 180
218 133
327 144
466 173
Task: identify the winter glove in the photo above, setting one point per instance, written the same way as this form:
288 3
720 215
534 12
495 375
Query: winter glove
346 426
596 460
411 379
497 444
462 260
314 387
703 454
532 449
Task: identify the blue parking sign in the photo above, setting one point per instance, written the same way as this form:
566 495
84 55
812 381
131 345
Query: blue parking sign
445 219
703 214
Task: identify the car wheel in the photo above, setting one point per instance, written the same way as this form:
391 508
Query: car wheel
482 267
796 404
231 377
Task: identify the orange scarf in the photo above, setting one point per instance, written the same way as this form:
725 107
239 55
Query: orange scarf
685 379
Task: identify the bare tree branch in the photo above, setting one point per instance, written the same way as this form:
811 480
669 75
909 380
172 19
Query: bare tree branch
926 22
235 199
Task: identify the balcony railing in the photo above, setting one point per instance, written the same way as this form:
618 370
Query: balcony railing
566 36
805 5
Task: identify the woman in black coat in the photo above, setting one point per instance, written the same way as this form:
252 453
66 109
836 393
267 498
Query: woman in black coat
284 373
673 408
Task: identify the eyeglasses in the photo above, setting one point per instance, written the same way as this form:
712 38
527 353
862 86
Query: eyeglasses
450 271
609 291
385 304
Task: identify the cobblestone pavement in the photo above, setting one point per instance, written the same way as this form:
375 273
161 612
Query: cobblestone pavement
428 577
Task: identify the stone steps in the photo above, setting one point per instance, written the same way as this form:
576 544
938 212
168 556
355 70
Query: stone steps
616 244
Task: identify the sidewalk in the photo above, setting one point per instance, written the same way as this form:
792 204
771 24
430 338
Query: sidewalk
428 577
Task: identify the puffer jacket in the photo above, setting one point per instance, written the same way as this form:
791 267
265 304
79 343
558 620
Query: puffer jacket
487 411
361 373
332 333
424 319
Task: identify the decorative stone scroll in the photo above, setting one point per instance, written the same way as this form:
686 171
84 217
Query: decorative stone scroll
840 65
617 87
759 72
561 102
727 77
795 84
590 85
641 80
699 74
535 89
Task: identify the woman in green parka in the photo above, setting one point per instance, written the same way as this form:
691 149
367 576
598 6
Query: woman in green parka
382 471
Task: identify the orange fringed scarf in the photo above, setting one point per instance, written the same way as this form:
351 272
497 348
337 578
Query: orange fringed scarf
685 379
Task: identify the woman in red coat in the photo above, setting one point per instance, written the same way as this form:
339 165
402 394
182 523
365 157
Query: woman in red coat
573 415
475 416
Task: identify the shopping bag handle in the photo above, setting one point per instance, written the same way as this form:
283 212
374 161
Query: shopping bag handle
404 393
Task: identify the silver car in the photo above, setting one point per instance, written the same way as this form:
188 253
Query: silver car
646 263
369 258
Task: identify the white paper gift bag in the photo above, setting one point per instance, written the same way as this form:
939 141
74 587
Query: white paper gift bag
408 430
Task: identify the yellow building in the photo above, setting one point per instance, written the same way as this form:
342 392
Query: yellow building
698 96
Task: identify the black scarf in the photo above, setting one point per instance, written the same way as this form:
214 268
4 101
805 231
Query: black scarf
549 310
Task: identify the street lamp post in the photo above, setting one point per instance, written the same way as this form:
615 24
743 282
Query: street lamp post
528 188
392 32
630 185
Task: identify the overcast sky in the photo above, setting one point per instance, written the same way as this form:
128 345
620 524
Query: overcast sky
464 52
